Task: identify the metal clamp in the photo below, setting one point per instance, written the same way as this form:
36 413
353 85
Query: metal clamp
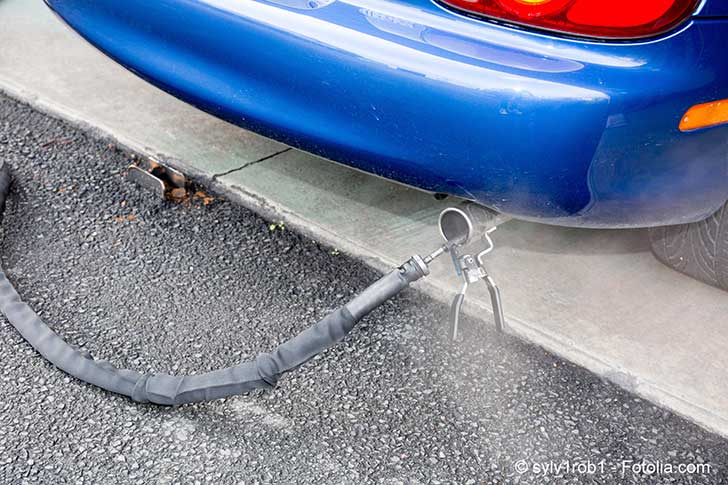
457 226
471 270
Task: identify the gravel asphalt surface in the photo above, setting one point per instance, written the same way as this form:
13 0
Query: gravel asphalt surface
162 286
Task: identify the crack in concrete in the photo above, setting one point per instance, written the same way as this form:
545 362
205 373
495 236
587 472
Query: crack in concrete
216 176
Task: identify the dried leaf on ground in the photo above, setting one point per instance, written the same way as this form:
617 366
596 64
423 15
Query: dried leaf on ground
126 218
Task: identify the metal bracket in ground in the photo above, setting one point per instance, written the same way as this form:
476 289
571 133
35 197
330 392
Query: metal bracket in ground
160 179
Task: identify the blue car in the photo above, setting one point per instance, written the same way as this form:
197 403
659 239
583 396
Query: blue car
590 113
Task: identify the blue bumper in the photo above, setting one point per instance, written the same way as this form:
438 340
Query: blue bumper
557 130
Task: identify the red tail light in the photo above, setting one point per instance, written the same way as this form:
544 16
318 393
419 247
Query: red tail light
615 19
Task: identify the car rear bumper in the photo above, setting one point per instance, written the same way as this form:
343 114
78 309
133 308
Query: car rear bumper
557 130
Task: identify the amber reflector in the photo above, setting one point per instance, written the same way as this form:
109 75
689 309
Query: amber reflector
704 115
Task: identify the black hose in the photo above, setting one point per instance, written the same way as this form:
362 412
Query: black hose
263 372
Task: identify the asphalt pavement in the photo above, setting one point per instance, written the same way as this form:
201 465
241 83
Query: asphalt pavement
192 285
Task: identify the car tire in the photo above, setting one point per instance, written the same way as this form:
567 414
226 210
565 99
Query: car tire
699 249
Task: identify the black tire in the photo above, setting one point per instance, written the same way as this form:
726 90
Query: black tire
699 249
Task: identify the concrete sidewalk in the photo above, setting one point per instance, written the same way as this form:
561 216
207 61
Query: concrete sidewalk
597 298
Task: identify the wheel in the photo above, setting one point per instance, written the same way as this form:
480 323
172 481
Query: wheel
699 249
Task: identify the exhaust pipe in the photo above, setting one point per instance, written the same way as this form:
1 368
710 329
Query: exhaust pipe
459 224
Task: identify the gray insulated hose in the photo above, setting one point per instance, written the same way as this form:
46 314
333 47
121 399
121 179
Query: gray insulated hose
263 372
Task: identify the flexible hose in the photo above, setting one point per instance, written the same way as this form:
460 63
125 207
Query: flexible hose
165 389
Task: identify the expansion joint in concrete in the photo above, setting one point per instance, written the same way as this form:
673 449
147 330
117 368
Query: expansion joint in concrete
216 176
